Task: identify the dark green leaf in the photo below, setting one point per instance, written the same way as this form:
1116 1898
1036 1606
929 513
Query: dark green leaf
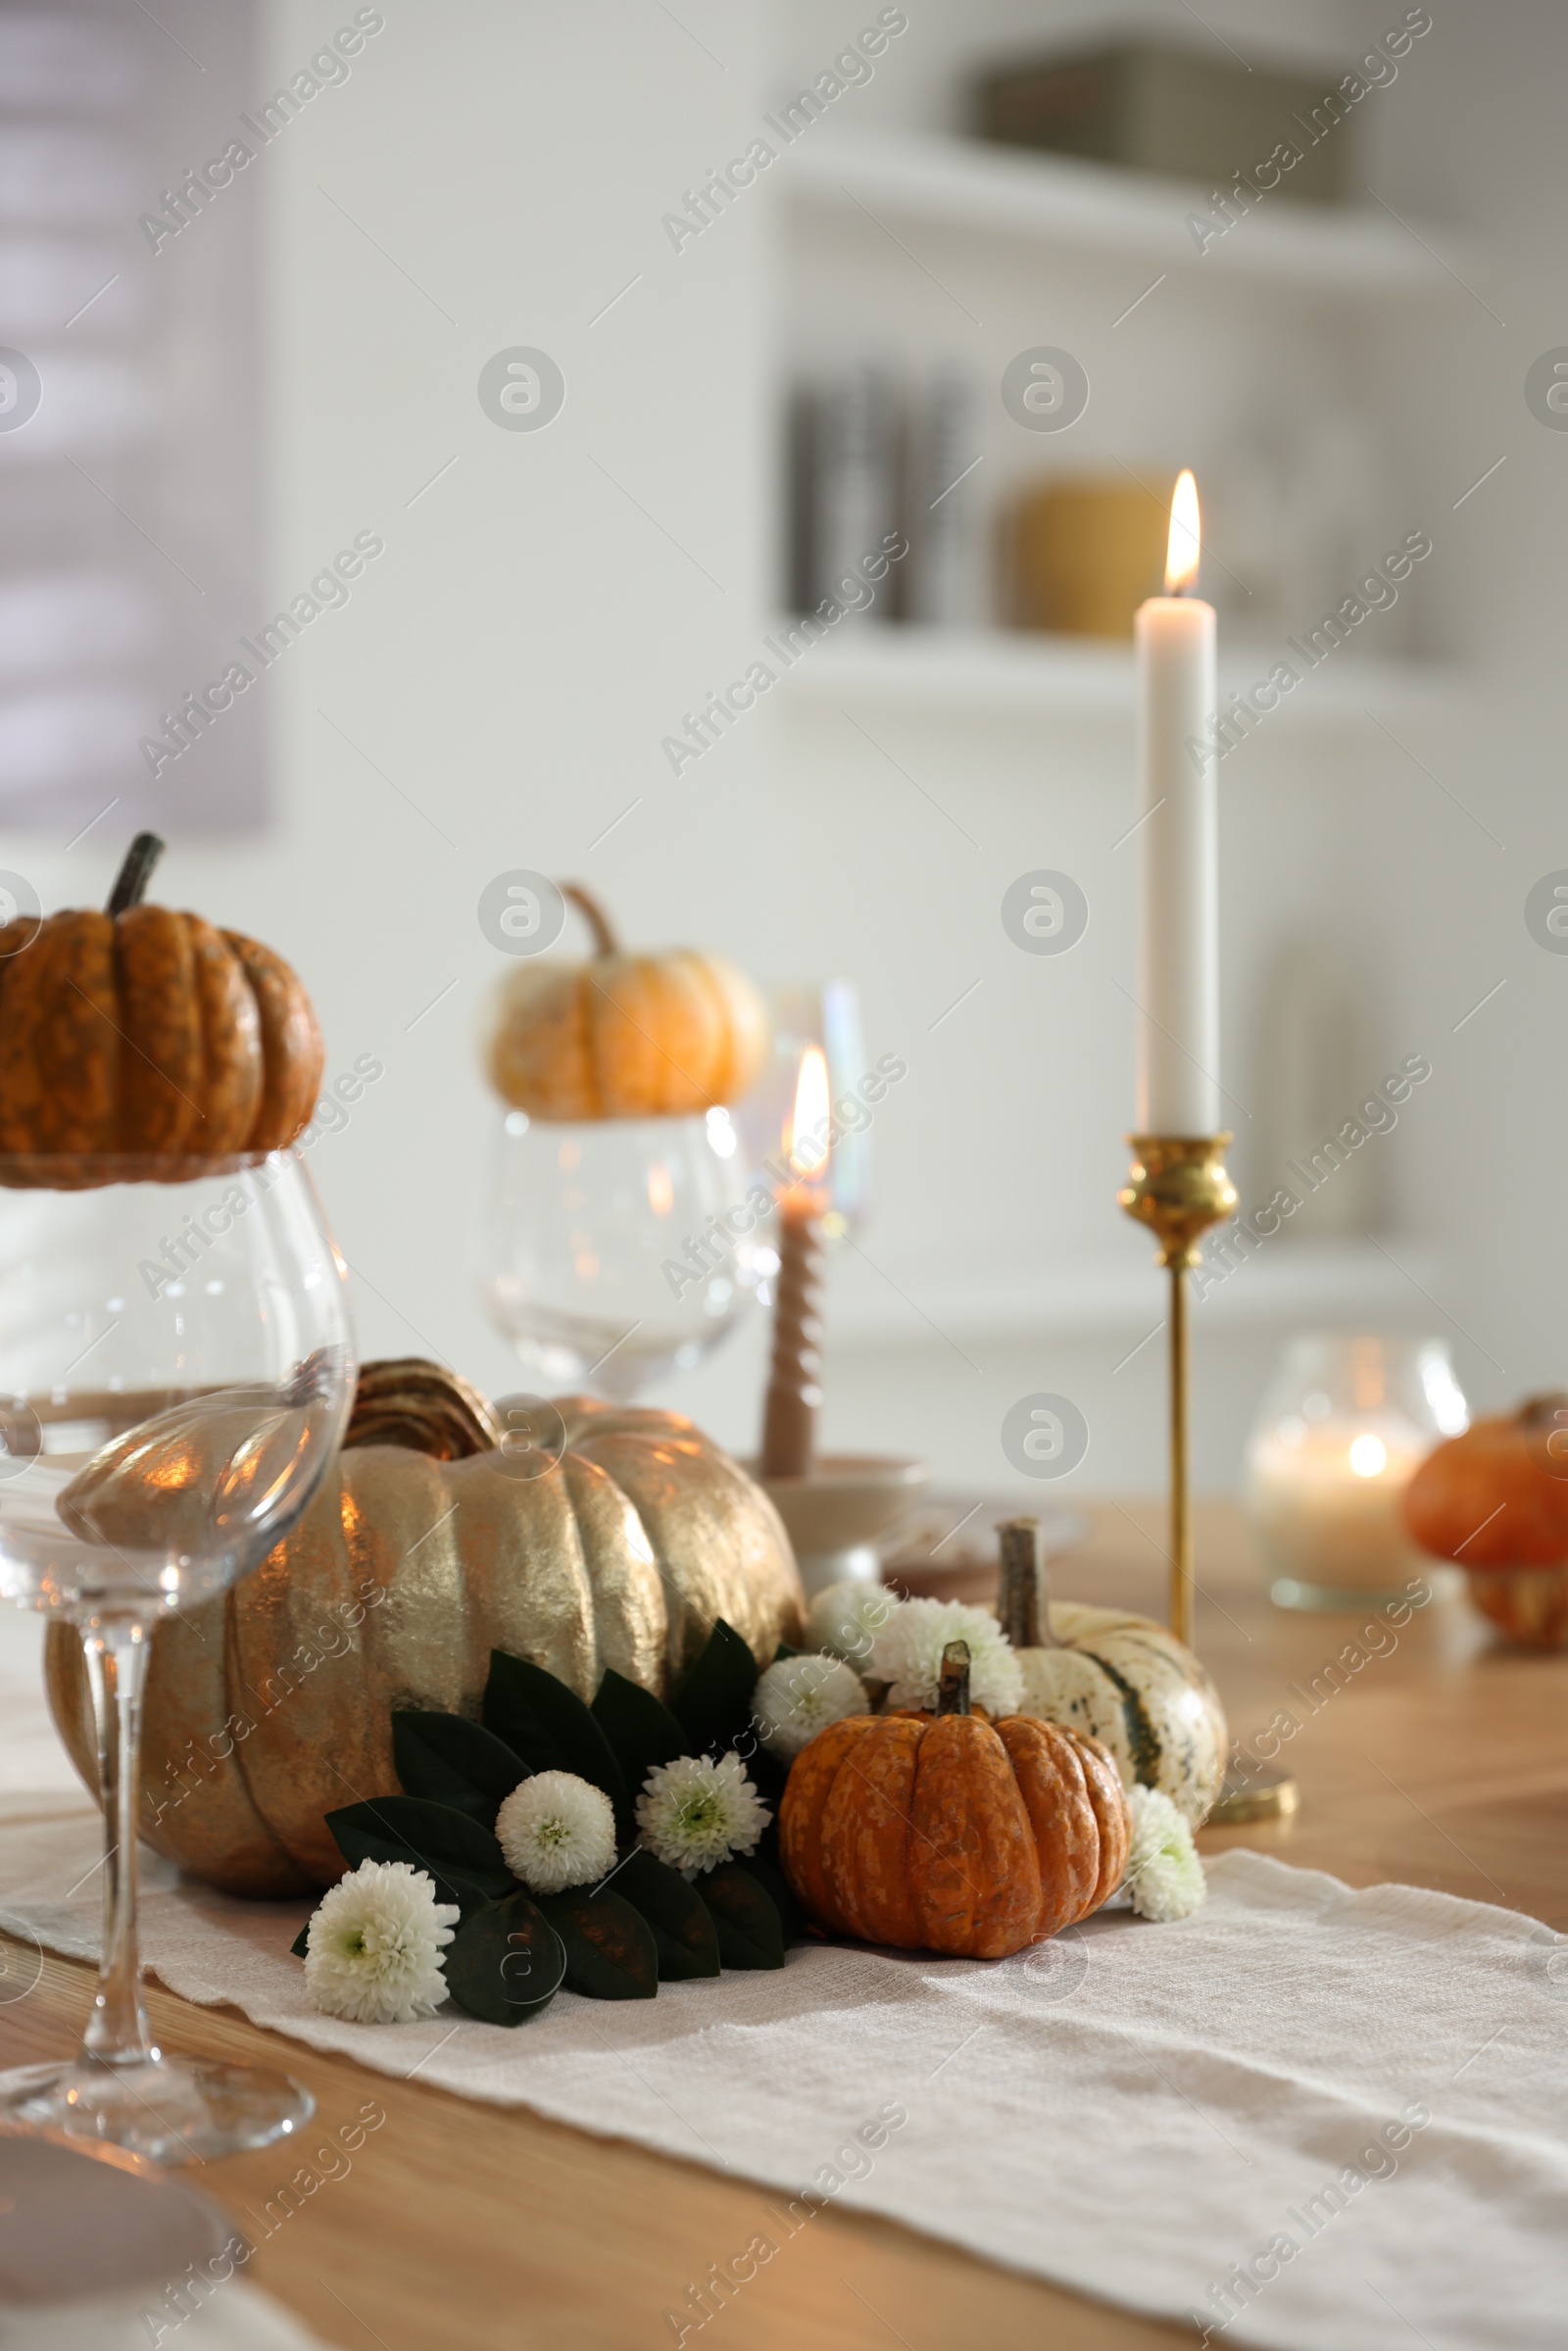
762 1865
715 1705
453 1761
683 1929
465 1860
549 1728
639 1730
611 1954
506 1963
301 1941
768 1775
787 1649
751 1934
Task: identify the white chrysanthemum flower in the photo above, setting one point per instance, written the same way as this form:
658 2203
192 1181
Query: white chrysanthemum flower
556 1830
907 1656
694 1813
1164 1876
847 1618
798 1696
375 1953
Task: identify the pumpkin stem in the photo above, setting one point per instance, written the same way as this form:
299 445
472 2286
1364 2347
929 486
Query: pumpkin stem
135 873
952 1691
1023 1595
1018 1588
593 913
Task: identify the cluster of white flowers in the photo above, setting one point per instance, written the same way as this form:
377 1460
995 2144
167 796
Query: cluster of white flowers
556 1830
375 1953
694 1812
906 1654
1165 1878
798 1696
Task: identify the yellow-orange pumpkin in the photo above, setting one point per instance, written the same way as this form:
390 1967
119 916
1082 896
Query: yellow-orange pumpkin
1496 1502
950 1833
141 1030
624 1036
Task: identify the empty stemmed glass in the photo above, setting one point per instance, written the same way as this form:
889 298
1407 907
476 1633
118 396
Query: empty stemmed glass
176 1367
606 1257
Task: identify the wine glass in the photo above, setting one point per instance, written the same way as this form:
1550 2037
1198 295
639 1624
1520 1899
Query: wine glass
176 1367
619 1249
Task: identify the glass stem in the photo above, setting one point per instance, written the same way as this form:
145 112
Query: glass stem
116 1650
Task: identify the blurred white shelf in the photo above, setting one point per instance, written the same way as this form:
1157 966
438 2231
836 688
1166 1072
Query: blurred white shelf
1285 1284
1008 673
969 185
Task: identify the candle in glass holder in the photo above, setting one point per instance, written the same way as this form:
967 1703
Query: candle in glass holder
1340 1435
1325 1505
793 1387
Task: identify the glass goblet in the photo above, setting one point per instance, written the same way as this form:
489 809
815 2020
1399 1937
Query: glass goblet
606 1257
176 1367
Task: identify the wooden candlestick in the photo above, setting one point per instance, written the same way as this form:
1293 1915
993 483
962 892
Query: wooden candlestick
793 1387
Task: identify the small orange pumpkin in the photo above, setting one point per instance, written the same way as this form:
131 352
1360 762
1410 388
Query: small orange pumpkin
950 1833
1496 1502
141 1030
624 1036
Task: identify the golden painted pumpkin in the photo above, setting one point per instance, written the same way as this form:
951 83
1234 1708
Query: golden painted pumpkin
1124 1679
141 1030
624 1036
615 1543
1494 1500
950 1833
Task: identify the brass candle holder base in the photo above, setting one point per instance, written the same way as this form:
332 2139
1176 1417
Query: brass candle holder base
1268 1796
1178 1187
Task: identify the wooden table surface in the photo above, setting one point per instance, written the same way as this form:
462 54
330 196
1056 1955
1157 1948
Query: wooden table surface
1442 1761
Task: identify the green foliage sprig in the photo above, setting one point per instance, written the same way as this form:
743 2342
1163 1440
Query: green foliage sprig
645 1923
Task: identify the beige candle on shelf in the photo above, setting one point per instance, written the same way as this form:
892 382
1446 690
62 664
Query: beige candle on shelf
794 1388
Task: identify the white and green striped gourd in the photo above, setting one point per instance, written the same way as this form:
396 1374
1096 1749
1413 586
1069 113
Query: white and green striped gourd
1124 1679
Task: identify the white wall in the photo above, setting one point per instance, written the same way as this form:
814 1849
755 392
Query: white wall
533 630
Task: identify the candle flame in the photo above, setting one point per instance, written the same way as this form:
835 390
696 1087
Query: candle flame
1185 545
806 1140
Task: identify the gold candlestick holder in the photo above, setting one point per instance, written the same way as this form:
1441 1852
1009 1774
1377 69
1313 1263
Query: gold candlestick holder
1178 1187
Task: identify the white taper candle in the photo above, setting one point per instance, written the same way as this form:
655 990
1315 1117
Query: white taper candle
1178 933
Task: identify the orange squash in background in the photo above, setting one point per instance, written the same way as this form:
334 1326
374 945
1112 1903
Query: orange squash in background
1494 1500
139 1030
624 1036
950 1833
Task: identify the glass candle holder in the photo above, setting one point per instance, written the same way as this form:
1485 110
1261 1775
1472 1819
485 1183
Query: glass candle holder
824 1015
1344 1424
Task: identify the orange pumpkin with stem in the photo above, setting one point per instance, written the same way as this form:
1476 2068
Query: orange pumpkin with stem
143 1031
950 1833
624 1036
